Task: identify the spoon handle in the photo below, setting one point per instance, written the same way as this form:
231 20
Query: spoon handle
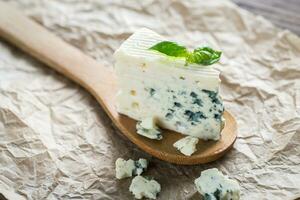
35 40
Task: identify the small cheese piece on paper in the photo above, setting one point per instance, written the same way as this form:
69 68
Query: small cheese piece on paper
129 168
213 185
142 187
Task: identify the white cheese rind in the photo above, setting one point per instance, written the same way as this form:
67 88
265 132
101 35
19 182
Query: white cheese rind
183 99
128 168
213 185
142 187
187 145
148 128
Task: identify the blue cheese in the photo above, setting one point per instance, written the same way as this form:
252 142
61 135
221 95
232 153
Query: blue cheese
128 168
181 98
187 145
213 185
142 187
148 128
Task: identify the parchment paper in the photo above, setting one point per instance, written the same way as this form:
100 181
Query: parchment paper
57 143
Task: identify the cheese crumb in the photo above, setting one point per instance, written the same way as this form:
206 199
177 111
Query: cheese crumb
130 167
187 145
148 128
142 187
213 185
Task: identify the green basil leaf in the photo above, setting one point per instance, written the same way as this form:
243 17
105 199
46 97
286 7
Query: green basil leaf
202 56
206 56
170 49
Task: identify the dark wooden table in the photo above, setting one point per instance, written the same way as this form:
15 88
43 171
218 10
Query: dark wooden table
282 13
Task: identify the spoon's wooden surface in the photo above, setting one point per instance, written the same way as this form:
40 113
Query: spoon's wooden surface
101 83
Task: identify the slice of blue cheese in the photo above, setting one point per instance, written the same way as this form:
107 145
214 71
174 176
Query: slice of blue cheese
142 187
129 168
182 98
148 128
187 145
213 185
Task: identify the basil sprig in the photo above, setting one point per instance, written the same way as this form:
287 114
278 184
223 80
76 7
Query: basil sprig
202 55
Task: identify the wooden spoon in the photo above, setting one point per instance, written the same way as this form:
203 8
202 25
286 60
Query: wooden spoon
100 81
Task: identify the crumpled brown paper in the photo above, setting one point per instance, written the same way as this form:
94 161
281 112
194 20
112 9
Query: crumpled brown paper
57 143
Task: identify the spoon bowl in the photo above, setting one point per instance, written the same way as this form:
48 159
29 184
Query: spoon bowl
207 151
100 81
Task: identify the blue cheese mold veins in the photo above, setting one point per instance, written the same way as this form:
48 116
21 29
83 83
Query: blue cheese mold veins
192 105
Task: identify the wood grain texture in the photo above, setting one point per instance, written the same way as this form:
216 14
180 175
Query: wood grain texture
101 83
283 13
